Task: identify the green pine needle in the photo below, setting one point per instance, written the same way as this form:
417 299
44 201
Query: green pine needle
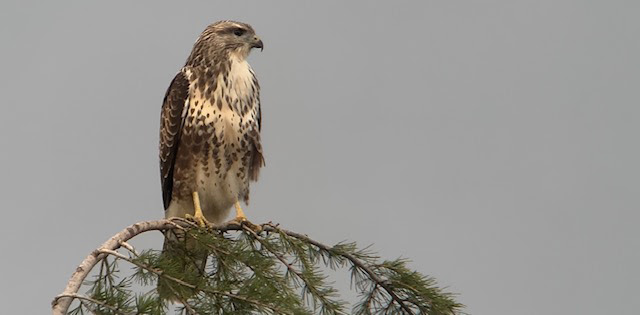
274 272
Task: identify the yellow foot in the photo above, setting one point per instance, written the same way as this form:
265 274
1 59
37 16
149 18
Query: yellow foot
198 216
242 219
201 221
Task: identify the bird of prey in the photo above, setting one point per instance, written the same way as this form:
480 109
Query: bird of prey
210 127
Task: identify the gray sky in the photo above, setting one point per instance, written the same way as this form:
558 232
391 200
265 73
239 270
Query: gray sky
495 143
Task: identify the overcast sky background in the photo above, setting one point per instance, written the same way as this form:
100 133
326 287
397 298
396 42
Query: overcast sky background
495 143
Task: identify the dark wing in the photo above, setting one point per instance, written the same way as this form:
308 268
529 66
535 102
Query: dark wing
171 122
257 159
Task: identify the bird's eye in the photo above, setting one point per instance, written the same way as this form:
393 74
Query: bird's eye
238 32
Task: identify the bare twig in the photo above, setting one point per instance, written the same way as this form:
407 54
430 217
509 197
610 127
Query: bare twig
92 300
129 248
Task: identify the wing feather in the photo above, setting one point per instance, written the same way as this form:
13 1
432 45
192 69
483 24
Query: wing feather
257 158
174 109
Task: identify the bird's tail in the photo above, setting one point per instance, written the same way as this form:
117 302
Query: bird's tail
182 258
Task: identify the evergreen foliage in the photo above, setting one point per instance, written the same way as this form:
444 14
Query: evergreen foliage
273 271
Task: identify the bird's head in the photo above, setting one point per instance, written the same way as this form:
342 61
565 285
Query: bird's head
227 37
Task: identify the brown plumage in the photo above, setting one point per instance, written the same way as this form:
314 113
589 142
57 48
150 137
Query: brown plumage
210 134
210 125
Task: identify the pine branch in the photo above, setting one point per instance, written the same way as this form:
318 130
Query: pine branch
91 300
329 306
355 261
246 279
62 302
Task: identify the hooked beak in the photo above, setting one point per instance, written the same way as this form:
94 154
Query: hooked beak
257 43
